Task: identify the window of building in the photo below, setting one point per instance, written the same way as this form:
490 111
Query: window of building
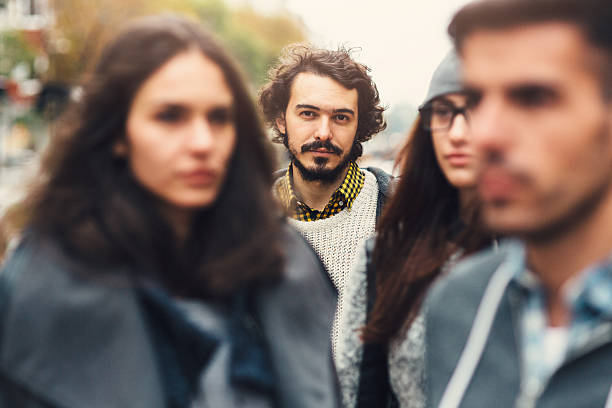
33 7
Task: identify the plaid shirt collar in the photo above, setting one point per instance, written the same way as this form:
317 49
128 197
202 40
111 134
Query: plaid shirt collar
342 198
590 291
589 298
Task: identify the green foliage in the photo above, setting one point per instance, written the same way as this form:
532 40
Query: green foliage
213 12
14 50
257 39
83 28
250 53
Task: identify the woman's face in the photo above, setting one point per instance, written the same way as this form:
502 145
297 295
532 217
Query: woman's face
181 132
453 146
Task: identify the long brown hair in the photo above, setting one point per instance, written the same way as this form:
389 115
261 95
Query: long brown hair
419 230
87 199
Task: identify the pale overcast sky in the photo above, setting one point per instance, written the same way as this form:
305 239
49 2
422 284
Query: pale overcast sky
402 41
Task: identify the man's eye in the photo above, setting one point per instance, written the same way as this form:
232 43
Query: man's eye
342 118
473 100
534 96
307 114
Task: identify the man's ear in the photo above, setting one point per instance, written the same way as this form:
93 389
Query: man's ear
280 124
120 148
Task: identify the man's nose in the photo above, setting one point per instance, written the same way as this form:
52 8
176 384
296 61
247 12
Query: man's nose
323 131
489 126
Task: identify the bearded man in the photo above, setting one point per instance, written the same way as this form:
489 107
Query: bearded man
323 105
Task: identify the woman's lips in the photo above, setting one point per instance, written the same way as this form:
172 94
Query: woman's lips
459 159
199 178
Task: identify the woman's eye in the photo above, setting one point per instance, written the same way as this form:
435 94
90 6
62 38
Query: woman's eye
220 116
442 111
171 115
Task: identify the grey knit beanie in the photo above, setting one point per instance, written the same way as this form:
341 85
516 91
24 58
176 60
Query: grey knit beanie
446 78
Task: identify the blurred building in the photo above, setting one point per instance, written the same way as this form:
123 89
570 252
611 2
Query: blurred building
24 29
28 15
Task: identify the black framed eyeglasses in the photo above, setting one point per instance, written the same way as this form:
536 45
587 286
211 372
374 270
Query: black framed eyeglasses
440 116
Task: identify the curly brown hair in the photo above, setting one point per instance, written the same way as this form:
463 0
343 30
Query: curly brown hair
336 64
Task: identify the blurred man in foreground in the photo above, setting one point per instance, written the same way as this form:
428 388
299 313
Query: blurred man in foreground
531 325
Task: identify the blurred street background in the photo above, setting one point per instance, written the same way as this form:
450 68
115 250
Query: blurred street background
48 46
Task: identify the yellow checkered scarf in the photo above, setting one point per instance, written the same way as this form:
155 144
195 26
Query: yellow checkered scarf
342 198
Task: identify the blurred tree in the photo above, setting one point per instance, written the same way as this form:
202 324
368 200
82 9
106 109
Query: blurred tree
82 28
14 50
79 32
260 38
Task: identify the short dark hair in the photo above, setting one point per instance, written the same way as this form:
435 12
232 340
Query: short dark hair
89 201
592 17
336 64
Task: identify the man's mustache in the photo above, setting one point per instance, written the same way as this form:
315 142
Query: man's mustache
317 144
493 161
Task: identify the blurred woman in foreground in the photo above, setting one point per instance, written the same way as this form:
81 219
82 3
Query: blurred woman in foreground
153 270
429 222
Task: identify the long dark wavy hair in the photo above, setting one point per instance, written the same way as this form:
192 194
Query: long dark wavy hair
419 230
86 197
339 66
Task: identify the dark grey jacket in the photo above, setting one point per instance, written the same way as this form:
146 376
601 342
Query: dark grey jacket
583 381
71 338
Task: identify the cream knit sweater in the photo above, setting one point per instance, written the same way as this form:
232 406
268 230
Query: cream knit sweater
337 239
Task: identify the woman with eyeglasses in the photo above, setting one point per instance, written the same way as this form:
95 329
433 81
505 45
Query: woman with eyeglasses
430 221
153 269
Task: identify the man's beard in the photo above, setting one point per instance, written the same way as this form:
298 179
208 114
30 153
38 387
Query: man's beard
576 214
319 172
